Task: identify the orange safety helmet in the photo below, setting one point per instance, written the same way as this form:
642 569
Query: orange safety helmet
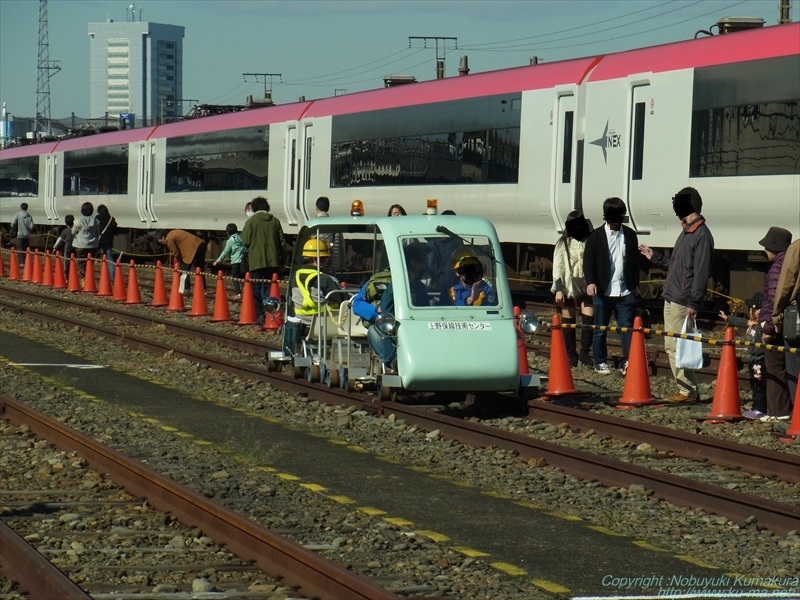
357 208
314 247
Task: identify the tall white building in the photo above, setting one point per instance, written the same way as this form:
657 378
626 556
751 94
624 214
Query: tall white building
135 68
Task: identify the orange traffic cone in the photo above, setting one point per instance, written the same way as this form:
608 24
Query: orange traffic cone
221 309
89 284
175 295
2 265
274 320
560 380
159 289
522 353
134 296
59 283
727 403
47 271
247 312
120 291
13 266
27 269
199 304
637 380
36 272
105 280
794 427
74 282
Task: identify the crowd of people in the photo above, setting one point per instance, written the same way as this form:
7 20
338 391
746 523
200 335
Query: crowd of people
595 276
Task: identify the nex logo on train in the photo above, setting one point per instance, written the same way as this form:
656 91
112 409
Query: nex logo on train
609 139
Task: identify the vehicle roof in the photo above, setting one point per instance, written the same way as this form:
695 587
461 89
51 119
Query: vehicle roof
409 225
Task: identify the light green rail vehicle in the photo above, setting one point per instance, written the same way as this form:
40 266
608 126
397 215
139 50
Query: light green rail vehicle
441 346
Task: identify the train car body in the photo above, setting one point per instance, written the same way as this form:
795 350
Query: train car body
442 346
523 146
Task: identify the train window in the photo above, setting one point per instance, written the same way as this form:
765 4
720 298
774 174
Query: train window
96 171
746 119
566 158
19 177
637 165
469 141
754 139
236 159
308 164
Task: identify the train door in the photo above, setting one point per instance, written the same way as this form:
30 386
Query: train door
145 171
300 141
51 188
639 114
564 159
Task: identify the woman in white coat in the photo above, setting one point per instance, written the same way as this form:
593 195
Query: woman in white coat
569 286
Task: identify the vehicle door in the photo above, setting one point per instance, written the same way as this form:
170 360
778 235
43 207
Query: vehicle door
145 157
299 144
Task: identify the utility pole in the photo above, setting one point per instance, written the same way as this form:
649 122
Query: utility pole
263 76
44 67
439 56
784 11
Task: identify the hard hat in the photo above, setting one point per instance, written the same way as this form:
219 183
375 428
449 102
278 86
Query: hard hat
467 262
314 247
460 253
357 208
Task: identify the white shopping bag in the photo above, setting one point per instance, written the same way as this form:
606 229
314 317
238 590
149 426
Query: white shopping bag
689 353
182 283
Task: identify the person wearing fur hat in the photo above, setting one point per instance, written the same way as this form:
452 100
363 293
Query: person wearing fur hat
688 269
779 402
788 292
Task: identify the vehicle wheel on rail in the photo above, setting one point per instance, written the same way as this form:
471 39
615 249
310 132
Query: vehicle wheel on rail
299 373
314 374
332 378
387 394
273 366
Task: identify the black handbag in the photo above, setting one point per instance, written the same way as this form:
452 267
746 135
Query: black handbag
791 323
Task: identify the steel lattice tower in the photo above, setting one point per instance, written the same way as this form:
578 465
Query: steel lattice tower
44 67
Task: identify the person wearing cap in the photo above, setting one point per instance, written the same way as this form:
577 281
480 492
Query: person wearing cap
471 288
311 283
611 268
788 292
758 387
234 247
779 402
688 268
263 236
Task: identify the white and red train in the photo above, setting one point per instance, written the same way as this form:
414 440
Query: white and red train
521 146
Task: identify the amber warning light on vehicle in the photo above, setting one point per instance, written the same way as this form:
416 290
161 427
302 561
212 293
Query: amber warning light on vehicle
433 204
357 208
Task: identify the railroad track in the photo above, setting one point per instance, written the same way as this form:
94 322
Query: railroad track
253 544
778 516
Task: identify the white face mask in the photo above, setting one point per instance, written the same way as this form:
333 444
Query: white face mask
249 213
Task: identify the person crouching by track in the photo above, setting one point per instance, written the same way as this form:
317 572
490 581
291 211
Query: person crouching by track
371 300
311 283
569 286
189 250
235 248
611 267
471 289
758 386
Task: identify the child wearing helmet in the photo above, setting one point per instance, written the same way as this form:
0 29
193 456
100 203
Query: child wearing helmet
471 289
236 249
311 283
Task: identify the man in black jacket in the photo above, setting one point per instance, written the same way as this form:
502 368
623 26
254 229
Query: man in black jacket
611 268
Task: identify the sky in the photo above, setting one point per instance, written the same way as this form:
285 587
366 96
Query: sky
326 47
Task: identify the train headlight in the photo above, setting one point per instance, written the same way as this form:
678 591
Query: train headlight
529 322
272 304
386 324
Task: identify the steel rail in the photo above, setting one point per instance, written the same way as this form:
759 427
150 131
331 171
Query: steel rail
778 517
315 577
697 447
35 575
